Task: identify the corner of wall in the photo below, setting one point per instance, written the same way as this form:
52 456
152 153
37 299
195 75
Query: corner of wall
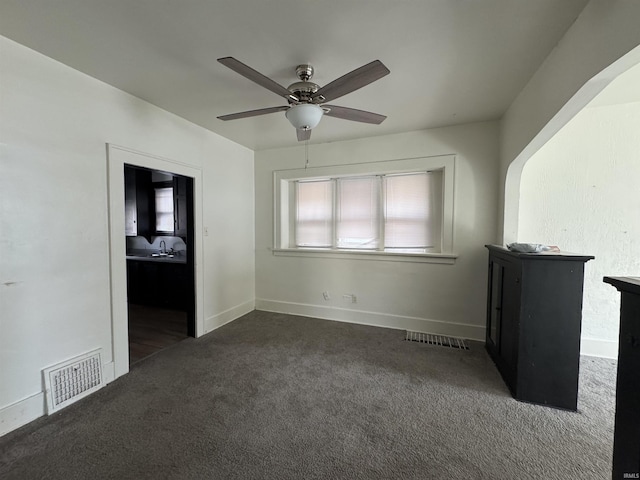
216 321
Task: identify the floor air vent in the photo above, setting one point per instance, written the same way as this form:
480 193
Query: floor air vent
440 340
69 381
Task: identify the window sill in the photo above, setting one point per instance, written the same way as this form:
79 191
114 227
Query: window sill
442 258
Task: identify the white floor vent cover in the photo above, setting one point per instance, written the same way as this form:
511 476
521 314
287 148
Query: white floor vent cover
72 380
440 340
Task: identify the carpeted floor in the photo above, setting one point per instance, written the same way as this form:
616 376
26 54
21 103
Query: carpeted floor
274 396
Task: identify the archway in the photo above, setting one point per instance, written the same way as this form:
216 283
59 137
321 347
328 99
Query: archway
589 91
578 190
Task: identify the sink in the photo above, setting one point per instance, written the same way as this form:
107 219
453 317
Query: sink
155 256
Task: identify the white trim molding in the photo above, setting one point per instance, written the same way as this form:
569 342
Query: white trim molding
594 347
22 412
443 258
216 321
117 157
283 199
375 319
33 407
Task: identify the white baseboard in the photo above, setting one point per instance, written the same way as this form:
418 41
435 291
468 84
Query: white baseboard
33 407
415 324
22 412
589 346
108 372
220 319
29 409
599 348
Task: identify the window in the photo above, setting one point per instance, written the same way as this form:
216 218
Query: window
358 213
313 214
394 210
413 211
164 210
377 212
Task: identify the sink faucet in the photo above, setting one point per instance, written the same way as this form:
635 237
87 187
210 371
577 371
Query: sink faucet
163 246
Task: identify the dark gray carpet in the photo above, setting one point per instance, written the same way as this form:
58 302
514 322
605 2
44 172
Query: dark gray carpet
274 396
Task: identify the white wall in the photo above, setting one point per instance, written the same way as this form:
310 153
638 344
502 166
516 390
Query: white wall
55 123
447 299
601 44
580 192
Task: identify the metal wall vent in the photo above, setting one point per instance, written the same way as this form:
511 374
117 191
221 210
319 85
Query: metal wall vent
440 340
69 381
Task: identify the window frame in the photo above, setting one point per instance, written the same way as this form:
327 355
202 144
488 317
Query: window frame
163 186
284 200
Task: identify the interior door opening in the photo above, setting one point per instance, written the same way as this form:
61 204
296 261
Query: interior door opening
159 231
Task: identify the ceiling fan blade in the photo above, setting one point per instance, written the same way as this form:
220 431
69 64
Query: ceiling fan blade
303 135
255 76
253 113
353 114
354 80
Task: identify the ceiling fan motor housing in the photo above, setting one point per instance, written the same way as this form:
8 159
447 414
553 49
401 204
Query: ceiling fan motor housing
304 72
304 88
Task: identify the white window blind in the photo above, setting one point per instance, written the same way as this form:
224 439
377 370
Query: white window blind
358 213
414 224
164 209
314 214
413 206
394 212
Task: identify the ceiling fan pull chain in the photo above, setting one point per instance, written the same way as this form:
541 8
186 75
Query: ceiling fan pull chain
306 154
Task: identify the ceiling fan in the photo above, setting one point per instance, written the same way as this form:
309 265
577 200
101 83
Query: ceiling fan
307 99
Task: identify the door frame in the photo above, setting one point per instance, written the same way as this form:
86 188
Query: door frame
117 157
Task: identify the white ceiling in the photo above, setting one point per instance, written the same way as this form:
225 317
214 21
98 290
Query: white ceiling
451 61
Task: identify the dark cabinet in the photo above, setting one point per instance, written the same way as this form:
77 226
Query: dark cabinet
138 203
180 196
130 212
158 284
534 316
502 331
626 440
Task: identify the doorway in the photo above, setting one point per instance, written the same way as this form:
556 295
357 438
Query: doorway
158 211
117 158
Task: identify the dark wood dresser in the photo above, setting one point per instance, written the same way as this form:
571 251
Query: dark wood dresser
626 441
534 319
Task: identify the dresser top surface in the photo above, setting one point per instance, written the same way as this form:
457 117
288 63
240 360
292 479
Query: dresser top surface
549 255
627 284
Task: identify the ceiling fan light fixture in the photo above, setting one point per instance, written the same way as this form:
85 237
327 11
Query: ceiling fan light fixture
306 99
304 116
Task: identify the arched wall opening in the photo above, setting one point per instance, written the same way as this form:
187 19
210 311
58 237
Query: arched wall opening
589 91
578 190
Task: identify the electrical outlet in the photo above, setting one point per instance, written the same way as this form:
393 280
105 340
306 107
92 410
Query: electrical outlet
350 297
326 295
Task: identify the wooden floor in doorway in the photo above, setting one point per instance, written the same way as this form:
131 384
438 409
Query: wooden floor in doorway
152 329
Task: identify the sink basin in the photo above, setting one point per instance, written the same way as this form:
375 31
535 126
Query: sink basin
155 256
